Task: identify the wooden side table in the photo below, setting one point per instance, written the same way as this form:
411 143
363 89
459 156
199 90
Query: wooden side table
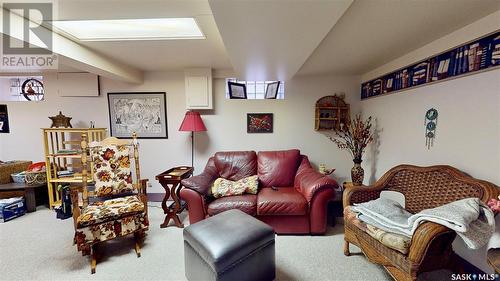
171 182
20 189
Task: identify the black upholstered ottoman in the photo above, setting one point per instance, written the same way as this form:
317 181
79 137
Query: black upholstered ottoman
229 246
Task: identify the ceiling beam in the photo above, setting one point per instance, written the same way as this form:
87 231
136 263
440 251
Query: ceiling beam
82 58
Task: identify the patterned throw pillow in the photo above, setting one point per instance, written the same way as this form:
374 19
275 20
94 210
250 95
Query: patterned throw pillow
222 187
112 173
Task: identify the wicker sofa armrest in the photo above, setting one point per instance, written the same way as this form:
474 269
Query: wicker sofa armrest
361 194
430 236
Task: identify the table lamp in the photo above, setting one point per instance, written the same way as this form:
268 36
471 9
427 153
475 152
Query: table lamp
192 123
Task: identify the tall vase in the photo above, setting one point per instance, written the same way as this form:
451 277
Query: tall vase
357 172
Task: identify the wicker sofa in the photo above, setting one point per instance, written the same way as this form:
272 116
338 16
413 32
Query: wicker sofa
423 188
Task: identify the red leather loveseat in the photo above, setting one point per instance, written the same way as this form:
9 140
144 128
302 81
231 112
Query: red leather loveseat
298 206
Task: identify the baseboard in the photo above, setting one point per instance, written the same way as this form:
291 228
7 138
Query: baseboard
155 197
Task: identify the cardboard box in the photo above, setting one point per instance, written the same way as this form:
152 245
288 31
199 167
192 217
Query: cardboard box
12 208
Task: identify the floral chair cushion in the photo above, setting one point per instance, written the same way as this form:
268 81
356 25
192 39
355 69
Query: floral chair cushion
111 229
108 210
112 173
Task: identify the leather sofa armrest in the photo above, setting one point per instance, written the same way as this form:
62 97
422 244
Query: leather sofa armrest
200 183
430 236
311 181
197 204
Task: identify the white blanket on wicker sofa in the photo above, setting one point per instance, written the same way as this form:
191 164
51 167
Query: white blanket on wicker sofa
470 218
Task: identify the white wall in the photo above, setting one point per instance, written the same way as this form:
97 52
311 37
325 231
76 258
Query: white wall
226 124
468 129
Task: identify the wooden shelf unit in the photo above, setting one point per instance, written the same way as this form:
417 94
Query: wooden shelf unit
330 112
56 139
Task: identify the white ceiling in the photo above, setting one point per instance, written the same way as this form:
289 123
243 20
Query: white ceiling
270 40
374 32
277 39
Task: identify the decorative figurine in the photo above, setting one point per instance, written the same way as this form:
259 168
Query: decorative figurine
325 171
60 121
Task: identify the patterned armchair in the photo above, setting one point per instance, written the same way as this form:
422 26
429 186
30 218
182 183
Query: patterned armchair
119 207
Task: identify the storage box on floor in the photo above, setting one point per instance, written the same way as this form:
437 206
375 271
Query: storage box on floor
12 208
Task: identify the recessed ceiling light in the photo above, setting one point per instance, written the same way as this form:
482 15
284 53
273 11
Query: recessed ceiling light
130 29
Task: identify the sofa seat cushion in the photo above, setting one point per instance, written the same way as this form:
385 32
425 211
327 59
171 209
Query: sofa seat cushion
278 168
111 229
394 241
108 210
246 203
282 201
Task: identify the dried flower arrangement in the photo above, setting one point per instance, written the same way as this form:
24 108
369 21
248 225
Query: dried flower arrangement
354 136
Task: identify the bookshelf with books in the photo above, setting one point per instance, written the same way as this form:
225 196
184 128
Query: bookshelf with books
475 56
62 157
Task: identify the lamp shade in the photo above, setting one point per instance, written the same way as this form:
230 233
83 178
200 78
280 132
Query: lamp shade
192 122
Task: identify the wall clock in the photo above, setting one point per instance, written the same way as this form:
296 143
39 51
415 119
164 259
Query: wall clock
430 123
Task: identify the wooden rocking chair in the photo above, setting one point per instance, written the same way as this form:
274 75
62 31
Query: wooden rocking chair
121 206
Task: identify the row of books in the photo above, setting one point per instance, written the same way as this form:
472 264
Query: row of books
478 55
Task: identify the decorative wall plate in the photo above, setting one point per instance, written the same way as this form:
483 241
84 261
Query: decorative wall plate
430 123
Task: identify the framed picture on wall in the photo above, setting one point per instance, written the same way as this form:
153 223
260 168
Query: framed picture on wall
237 90
142 112
272 90
259 123
4 119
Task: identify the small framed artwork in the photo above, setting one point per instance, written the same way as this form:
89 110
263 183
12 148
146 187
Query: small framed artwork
259 123
237 90
142 112
272 90
4 119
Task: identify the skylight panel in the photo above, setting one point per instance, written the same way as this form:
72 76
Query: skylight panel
130 29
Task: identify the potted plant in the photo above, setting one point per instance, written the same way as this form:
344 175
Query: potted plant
354 137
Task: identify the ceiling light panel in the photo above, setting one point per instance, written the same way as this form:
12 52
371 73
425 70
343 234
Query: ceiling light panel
130 29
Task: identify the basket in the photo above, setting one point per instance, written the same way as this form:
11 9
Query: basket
19 177
12 167
36 178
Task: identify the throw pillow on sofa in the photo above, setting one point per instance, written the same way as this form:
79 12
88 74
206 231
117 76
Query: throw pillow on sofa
223 187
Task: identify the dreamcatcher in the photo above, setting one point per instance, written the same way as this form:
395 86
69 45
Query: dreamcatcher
430 123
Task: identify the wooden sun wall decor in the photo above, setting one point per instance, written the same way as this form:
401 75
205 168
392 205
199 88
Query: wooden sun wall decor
430 124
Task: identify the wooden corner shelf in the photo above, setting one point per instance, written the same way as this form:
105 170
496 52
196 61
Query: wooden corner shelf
331 113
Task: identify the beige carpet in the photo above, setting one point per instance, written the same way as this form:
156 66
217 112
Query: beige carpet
38 246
